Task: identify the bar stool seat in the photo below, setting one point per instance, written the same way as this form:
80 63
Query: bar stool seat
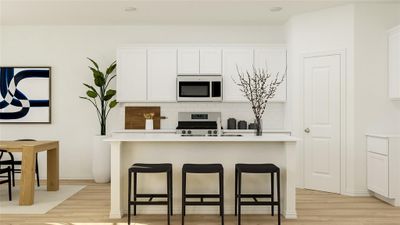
203 168
149 168
266 168
257 168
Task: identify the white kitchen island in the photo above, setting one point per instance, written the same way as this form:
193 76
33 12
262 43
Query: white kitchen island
128 148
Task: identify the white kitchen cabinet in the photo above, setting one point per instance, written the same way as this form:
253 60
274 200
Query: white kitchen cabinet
131 75
211 61
188 61
161 74
378 173
199 61
274 61
394 63
234 60
383 167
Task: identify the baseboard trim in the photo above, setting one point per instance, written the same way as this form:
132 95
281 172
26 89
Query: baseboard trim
357 193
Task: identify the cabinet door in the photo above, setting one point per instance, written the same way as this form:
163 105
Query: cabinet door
161 74
274 60
211 61
188 61
131 75
235 59
394 65
378 173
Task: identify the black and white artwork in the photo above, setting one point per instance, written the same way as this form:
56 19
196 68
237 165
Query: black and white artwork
25 95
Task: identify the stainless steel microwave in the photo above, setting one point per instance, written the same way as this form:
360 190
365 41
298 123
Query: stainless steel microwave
199 88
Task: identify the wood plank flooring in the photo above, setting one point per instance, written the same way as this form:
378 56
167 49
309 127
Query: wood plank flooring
91 206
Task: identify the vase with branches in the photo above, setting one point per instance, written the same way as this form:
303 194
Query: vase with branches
100 95
259 86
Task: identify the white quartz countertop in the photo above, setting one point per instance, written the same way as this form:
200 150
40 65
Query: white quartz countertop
168 137
383 135
174 131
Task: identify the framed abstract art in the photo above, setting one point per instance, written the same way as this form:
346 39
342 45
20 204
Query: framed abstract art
25 94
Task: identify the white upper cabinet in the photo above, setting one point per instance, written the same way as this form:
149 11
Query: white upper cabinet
131 74
199 61
161 74
273 60
148 74
235 59
394 63
188 61
211 61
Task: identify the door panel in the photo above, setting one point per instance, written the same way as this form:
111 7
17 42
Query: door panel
273 59
235 59
378 173
188 61
210 61
132 72
161 76
322 118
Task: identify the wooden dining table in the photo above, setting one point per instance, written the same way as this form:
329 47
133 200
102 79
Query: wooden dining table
29 150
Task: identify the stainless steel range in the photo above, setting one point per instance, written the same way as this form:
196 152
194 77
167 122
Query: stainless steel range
199 123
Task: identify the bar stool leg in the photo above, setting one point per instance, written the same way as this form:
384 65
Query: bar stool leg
236 193
171 192
239 196
168 198
183 196
134 192
272 194
221 195
129 197
279 196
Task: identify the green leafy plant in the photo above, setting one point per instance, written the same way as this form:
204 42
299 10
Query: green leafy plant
100 96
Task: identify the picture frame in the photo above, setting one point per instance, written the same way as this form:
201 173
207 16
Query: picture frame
25 95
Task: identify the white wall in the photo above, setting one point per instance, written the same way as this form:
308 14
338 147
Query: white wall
65 49
318 32
374 111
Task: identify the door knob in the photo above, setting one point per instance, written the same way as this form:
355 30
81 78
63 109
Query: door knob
307 130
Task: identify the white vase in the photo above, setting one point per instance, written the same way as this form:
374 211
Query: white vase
101 154
149 124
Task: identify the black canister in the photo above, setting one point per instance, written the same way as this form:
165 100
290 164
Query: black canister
242 125
231 123
252 126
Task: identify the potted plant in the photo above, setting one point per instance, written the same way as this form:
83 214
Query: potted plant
101 97
259 87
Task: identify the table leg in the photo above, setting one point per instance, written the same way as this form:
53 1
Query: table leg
116 179
53 170
289 184
27 185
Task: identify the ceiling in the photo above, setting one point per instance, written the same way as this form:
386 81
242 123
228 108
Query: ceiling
161 12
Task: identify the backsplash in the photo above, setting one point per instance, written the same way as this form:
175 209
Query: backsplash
274 115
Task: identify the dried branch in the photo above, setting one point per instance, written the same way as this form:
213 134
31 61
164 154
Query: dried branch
259 87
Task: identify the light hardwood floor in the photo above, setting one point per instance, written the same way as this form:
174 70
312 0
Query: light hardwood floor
91 206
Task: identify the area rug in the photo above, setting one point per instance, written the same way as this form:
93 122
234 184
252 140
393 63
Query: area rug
44 200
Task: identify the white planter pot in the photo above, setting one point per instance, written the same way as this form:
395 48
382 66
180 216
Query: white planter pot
101 160
149 124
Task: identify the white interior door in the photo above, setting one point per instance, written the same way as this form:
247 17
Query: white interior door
322 123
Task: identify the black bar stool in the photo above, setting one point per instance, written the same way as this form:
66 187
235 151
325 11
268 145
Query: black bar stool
203 168
257 168
149 168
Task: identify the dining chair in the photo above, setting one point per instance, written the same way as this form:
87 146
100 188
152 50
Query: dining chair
8 171
13 163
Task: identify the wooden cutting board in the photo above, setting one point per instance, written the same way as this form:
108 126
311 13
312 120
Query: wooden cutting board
134 116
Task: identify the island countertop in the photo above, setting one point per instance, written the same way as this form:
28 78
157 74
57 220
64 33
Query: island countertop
167 137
